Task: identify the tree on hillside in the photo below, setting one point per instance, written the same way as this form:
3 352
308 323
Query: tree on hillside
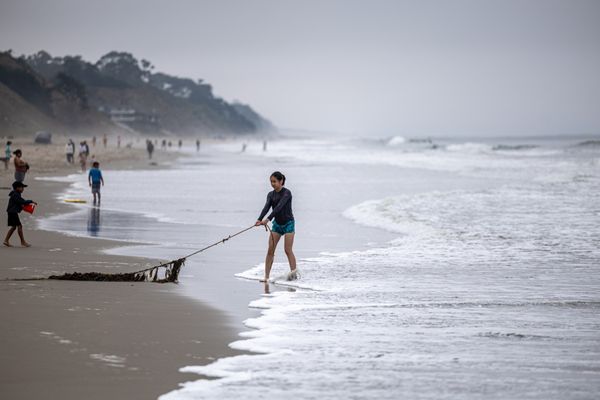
122 66
73 89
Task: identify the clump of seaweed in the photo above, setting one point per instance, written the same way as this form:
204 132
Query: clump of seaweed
171 274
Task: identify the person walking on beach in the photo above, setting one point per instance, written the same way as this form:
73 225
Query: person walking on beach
197 145
7 154
15 205
280 200
82 156
70 151
95 180
21 167
104 140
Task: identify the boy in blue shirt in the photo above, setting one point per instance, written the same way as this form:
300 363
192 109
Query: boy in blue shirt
95 180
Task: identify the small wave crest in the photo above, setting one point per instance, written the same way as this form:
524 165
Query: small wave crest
589 143
508 147
395 141
513 335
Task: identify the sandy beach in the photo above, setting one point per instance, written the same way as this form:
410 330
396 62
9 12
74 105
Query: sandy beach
67 340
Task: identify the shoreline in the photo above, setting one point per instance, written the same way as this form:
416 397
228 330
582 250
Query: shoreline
94 339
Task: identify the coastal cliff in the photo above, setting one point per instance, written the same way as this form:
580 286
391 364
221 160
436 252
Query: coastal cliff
118 93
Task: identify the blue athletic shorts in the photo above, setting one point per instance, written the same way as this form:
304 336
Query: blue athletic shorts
96 187
288 227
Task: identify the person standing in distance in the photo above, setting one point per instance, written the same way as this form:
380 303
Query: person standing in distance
21 167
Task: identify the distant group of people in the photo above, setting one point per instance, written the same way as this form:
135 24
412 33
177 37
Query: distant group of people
83 154
245 146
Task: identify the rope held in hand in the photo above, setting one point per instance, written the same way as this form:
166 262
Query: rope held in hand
202 249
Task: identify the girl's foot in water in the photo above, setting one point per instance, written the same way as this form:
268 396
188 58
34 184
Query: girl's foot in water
293 275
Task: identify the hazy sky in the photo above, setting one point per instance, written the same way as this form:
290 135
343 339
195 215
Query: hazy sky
383 67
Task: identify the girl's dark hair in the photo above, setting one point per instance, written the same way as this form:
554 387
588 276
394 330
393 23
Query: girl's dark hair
279 176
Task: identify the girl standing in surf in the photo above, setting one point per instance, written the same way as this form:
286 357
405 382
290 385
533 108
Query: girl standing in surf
280 199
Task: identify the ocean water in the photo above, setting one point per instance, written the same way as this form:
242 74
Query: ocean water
444 269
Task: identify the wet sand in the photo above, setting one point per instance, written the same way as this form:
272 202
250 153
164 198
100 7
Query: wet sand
67 340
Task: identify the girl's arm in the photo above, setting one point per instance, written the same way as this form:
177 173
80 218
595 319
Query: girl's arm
265 209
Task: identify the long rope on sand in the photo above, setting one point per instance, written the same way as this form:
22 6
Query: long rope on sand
151 274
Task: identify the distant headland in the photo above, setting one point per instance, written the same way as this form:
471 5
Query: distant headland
117 94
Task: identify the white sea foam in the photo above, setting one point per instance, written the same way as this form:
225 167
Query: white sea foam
469 147
66 179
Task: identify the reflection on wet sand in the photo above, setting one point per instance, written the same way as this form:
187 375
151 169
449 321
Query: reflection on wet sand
93 223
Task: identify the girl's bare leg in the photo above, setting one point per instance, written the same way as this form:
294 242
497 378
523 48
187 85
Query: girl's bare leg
273 240
288 243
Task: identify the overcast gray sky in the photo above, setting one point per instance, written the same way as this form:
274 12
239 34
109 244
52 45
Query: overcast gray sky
422 67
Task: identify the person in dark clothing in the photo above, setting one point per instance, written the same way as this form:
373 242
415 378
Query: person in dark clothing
280 200
150 148
15 205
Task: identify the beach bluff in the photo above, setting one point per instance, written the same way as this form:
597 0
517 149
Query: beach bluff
118 94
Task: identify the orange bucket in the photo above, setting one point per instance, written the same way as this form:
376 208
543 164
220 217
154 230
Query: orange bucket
29 208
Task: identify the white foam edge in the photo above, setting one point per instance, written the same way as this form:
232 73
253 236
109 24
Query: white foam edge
256 274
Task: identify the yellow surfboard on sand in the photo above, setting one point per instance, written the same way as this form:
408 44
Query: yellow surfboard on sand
75 201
